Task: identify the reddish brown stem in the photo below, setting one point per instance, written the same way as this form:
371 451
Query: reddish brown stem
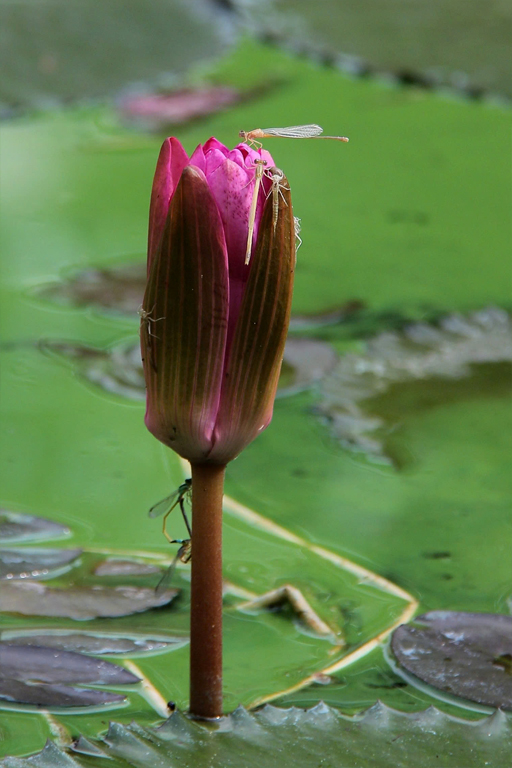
206 594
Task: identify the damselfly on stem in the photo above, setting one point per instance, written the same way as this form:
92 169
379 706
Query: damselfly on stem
166 506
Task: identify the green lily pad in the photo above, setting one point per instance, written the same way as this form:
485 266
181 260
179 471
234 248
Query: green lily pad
294 738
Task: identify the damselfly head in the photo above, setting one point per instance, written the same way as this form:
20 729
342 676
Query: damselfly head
167 505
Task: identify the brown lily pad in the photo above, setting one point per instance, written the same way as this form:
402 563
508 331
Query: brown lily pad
119 288
92 643
17 527
55 695
35 562
31 663
32 598
464 654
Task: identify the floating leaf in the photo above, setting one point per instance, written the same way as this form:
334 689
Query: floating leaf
333 316
309 360
48 665
36 599
294 738
35 563
84 642
118 288
55 695
18 526
35 675
465 654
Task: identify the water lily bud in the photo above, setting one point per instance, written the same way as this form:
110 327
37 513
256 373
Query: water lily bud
213 328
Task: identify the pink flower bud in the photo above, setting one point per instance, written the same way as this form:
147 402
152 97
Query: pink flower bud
213 328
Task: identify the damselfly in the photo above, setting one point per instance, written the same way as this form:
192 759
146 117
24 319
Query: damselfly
146 320
259 167
276 175
183 554
166 506
147 334
291 132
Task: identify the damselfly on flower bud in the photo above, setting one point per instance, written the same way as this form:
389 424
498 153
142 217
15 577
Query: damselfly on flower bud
213 328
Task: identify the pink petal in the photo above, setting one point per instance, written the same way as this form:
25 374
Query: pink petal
184 341
171 162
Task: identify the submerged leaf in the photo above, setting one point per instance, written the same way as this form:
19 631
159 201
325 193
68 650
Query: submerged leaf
36 599
34 562
465 654
18 526
48 665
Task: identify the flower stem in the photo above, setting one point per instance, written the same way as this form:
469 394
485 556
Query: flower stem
206 593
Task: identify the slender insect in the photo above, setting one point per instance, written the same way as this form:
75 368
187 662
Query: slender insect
166 506
291 132
146 320
276 175
258 175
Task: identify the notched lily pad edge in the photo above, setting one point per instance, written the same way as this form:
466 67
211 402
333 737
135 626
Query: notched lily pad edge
359 734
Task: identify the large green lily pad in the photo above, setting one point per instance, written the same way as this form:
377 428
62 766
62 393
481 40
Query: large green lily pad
294 738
